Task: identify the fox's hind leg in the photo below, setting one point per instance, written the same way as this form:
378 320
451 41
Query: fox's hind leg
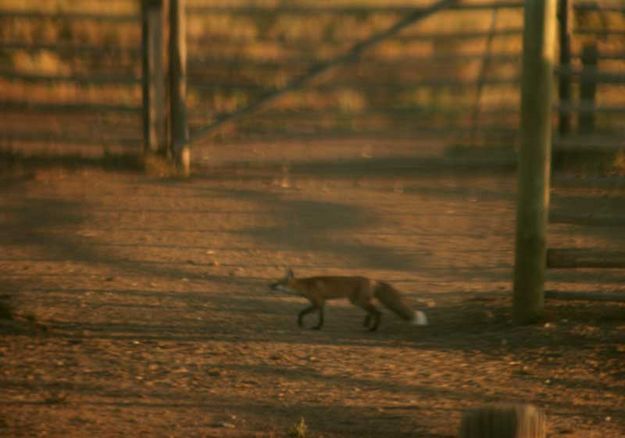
372 319
375 314
367 320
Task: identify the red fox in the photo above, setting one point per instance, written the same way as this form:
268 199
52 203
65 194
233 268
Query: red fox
360 291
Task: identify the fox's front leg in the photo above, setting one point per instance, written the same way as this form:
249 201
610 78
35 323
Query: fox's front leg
310 309
306 311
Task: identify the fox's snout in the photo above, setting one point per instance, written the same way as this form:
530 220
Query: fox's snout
274 286
277 287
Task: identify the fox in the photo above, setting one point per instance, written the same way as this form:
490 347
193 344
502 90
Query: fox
360 291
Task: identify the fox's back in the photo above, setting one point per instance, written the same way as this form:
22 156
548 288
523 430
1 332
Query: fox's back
330 287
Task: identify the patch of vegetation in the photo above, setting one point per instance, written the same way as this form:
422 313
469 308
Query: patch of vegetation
619 163
299 429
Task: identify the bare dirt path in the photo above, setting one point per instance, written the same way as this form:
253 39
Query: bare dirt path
143 309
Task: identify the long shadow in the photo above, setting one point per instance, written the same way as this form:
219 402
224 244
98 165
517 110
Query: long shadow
589 206
348 168
307 225
12 160
36 222
322 417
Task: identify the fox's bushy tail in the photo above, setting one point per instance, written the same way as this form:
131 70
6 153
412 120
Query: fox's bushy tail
392 299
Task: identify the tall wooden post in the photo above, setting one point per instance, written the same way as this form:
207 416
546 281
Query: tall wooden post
178 85
504 421
564 84
588 88
534 160
153 76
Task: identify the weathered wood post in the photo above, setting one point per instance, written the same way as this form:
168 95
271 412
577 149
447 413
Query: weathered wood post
534 160
178 86
564 85
504 421
153 76
588 88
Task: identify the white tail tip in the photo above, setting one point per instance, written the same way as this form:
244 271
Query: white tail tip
420 318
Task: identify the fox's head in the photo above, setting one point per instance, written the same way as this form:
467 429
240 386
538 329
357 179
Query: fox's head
285 284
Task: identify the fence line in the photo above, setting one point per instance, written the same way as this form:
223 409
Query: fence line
67 106
227 82
74 16
321 68
81 80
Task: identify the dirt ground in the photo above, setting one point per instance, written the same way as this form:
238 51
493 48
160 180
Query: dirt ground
141 303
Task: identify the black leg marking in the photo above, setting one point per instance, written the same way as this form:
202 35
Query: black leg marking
367 320
372 314
306 311
320 322
376 322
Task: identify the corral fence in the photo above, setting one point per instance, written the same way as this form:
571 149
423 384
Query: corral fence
91 78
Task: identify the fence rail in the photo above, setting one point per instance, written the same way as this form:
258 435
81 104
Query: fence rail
74 16
75 79
468 76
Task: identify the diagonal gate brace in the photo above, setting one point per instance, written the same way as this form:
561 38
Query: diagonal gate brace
352 54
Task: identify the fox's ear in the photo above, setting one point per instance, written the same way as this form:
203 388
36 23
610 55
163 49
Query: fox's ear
289 274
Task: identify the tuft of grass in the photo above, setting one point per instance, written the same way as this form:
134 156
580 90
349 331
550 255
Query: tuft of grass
299 429
619 163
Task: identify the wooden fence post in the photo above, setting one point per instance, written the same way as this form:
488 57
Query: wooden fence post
178 86
564 84
504 421
534 160
588 88
153 76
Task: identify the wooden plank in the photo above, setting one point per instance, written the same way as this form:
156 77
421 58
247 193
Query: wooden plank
77 16
82 80
461 85
534 160
285 9
304 41
207 62
596 6
153 76
178 85
586 106
602 33
12 105
586 117
586 296
592 74
201 10
595 182
93 139
311 129
64 47
571 258
564 81
418 114
590 143
588 219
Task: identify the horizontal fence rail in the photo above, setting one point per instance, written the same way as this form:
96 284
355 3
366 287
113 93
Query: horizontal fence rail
75 86
462 70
